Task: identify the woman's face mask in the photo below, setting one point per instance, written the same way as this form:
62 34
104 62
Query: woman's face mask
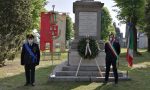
30 41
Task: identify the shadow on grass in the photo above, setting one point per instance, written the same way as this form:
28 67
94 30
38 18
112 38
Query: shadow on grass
16 82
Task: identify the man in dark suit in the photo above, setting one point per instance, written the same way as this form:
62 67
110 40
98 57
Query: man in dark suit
30 57
112 50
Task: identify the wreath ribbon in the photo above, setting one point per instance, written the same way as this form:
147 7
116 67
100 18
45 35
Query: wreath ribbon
88 48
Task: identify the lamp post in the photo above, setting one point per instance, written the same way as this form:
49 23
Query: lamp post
53 6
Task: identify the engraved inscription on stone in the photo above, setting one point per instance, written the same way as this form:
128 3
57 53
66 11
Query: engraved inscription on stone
87 23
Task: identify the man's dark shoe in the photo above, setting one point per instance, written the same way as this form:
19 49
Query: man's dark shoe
116 82
105 82
32 84
26 84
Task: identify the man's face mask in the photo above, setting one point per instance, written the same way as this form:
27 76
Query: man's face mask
110 38
30 41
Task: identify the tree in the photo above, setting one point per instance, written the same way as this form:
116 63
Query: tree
106 24
131 11
69 27
37 8
15 20
147 21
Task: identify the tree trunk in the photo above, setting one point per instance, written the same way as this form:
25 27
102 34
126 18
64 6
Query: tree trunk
134 39
148 44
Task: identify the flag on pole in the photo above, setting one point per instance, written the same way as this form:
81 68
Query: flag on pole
129 55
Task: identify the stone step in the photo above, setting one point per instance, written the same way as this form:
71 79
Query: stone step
83 68
84 79
85 73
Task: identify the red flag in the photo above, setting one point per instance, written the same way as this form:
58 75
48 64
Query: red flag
45 30
48 30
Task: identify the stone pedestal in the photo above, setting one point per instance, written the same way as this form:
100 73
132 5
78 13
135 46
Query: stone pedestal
74 59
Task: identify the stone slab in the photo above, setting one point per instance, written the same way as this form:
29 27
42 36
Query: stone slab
85 73
85 79
87 23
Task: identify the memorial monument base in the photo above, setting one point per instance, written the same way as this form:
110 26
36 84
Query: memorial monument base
63 72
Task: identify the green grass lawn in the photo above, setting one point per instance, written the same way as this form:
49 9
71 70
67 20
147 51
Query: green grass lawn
12 76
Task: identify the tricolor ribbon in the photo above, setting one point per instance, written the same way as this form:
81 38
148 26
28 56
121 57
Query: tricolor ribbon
113 50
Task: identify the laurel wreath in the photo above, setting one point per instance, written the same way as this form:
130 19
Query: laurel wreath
93 45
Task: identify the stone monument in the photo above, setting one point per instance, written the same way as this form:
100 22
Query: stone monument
87 22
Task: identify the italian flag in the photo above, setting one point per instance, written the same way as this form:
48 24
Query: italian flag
129 56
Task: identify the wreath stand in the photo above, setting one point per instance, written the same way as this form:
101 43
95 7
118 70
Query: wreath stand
100 72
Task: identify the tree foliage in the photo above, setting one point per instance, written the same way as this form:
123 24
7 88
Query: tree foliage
17 17
37 8
131 11
147 22
15 20
106 24
69 27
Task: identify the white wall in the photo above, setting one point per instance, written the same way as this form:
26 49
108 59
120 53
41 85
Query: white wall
143 41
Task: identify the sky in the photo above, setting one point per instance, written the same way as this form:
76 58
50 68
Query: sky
67 6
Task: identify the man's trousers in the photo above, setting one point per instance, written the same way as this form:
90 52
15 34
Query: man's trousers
30 73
